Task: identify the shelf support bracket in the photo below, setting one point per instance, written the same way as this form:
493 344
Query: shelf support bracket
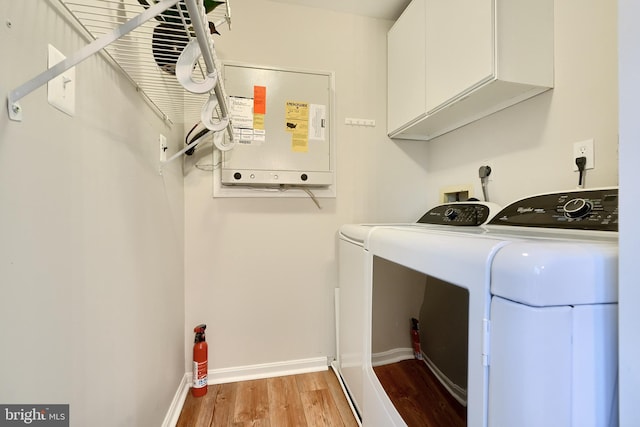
206 48
15 111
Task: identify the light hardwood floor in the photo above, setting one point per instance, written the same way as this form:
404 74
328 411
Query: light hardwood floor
314 399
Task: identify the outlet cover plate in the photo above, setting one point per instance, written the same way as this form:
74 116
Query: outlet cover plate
583 148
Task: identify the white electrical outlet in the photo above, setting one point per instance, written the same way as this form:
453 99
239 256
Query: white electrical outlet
163 147
583 149
61 90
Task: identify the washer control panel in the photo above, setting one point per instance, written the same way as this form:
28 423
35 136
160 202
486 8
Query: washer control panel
581 210
459 213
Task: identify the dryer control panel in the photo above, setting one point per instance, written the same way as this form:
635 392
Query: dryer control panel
579 210
459 213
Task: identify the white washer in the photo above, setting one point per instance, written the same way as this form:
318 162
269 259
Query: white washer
554 312
354 271
541 279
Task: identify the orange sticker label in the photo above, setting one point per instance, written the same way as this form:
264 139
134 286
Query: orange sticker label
260 100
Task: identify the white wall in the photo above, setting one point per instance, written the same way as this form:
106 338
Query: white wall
629 316
91 239
261 272
529 146
86 218
91 236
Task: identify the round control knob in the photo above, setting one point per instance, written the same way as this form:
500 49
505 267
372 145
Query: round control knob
577 208
450 213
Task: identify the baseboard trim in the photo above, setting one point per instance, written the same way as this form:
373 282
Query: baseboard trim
242 373
267 370
171 419
458 393
392 356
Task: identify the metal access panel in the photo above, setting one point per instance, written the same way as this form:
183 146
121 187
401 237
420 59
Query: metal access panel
282 127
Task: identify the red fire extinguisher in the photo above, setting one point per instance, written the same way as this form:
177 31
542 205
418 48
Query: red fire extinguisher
199 362
415 338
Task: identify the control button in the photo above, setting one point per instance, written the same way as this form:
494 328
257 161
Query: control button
451 213
237 175
577 208
304 177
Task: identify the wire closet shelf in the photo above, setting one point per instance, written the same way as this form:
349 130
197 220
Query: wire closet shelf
145 39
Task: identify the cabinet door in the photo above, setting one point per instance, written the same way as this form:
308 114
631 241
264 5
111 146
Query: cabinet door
406 67
459 47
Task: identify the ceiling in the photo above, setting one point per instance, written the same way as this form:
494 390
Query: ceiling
381 9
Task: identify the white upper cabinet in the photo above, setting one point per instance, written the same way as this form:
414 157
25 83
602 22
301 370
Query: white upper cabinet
406 43
451 62
459 47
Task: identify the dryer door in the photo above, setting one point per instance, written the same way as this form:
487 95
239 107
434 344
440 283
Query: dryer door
420 258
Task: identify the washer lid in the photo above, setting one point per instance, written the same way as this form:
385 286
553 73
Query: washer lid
555 272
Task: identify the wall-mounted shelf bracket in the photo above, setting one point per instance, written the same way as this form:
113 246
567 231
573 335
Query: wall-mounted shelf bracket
15 110
206 47
105 22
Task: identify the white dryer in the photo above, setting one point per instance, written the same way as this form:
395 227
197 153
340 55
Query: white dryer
540 283
354 274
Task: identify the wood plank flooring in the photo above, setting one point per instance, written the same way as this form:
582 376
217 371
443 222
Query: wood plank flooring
314 400
419 396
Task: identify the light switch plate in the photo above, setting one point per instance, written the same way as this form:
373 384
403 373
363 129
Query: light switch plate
163 147
61 90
